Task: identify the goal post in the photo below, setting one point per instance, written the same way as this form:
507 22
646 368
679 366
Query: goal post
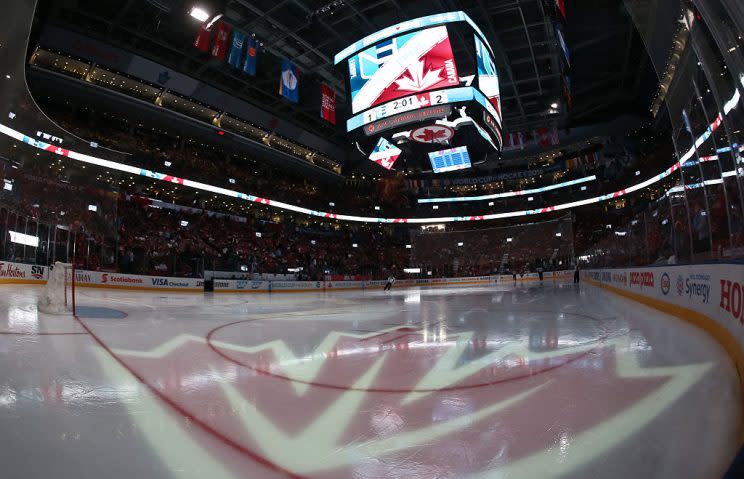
58 295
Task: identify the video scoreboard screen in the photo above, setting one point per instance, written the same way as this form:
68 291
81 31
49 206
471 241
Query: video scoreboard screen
450 160
401 66
410 77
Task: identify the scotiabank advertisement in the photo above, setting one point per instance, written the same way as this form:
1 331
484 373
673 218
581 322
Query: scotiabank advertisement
131 281
715 290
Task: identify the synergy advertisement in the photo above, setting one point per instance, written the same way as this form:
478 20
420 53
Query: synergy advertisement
450 160
488 78
385 154
402 66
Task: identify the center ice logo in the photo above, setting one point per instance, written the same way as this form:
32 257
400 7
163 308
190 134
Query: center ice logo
366 400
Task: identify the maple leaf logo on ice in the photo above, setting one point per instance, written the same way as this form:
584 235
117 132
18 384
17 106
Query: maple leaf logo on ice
417 80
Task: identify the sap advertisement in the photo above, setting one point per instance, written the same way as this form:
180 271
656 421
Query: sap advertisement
488 78
402 66
450 160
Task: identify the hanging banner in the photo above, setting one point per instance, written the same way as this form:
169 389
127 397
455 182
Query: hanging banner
513 141
546 137
328 104
203 39
289 83
251 57
219 49
236 50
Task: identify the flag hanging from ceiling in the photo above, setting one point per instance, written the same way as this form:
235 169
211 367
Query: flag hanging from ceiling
513 141
203 38
289 83
236 49
327 104
546 137
561 6
251 57
219 48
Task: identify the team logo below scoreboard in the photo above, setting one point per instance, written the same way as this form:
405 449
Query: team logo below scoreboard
433 134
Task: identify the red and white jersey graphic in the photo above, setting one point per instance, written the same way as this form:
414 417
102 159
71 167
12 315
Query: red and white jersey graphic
385 154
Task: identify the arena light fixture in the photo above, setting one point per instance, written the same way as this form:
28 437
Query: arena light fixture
460 243
184 223
258 234
490 203
312 242
509 240
558 235
8 185
93 208
408 246
199 14
412 270
377 208
354 245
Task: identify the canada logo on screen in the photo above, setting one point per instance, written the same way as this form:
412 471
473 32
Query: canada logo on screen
408 64
433 134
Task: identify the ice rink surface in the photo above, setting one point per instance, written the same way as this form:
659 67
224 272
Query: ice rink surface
513 381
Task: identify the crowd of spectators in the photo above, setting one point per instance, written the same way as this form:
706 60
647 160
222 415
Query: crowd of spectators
118 231
519 248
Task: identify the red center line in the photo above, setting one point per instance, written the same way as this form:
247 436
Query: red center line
188 415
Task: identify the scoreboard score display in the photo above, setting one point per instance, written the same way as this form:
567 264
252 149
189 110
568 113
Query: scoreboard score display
450 160
408 87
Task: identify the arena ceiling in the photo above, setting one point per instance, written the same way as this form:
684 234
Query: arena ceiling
610 71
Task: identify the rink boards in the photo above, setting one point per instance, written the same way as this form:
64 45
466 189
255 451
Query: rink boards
711 296
20 273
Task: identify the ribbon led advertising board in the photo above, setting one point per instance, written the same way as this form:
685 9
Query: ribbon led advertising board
72 155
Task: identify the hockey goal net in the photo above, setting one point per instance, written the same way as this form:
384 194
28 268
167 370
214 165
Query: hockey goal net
58 295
